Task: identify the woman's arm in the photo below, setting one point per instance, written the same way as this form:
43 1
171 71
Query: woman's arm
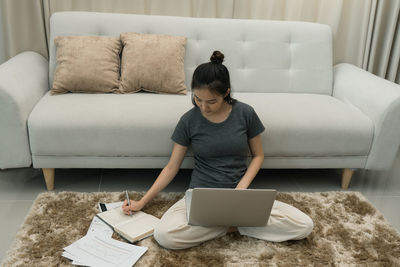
163 179
257 152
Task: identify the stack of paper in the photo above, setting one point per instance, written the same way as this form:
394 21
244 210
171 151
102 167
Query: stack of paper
97 248
92 250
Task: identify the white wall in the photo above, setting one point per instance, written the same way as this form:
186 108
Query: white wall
2 51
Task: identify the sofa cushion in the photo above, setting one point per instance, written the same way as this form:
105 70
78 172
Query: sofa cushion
86 64
105 124
310 125
153 63
114 125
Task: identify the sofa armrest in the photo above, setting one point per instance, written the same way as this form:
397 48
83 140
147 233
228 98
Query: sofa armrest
23 81
377 98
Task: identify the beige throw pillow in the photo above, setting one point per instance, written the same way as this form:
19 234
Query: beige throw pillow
152 63
86 64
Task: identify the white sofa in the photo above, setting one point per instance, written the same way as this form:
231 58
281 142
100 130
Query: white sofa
316 115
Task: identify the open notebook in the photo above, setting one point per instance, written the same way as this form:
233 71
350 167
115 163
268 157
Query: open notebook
133 228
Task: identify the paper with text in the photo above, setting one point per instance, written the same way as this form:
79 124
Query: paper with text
98 251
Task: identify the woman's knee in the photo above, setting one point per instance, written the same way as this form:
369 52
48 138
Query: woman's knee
168 240
310 226
162 237
307 228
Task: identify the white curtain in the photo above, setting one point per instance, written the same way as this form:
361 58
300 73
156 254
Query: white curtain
383 55
23 27
365 32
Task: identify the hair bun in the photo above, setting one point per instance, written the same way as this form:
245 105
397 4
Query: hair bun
217 57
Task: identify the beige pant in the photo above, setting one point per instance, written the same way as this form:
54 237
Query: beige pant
285 223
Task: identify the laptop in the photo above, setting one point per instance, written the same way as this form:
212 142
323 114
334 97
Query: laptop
229 207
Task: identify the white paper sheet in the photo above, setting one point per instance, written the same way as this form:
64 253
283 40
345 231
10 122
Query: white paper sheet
74 259
99 228
99 251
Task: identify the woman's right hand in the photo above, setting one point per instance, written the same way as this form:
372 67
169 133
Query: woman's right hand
135 206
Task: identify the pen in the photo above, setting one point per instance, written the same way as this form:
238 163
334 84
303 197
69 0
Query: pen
129 202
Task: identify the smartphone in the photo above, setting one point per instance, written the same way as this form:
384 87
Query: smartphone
102 207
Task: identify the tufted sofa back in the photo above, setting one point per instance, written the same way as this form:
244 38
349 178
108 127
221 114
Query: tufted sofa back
261 55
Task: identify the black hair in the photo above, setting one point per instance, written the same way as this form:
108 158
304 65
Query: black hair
214 76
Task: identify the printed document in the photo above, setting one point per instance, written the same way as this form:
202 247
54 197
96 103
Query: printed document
92 250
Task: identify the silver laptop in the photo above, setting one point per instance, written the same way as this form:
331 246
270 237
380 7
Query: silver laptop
229 207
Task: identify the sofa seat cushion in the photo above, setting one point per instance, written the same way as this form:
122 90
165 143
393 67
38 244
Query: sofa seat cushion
141 124
310 125
138 124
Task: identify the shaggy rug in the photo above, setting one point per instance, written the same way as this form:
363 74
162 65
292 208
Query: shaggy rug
348 231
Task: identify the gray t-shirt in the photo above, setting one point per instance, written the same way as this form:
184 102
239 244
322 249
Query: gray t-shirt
220 149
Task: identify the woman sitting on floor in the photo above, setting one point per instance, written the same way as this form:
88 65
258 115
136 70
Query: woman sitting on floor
220 130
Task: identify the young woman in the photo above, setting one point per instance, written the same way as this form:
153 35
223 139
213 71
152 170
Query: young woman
220 131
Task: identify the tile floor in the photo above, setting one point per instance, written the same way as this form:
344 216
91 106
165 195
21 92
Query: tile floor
19 188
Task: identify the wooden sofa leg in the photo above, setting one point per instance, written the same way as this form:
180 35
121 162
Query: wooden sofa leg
346 178
49 178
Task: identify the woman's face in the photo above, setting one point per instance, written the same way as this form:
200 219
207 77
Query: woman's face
209 103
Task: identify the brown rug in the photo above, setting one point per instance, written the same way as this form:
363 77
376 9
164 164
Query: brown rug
348 231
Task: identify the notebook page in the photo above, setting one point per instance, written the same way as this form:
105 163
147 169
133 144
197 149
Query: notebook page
138 228
117 216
